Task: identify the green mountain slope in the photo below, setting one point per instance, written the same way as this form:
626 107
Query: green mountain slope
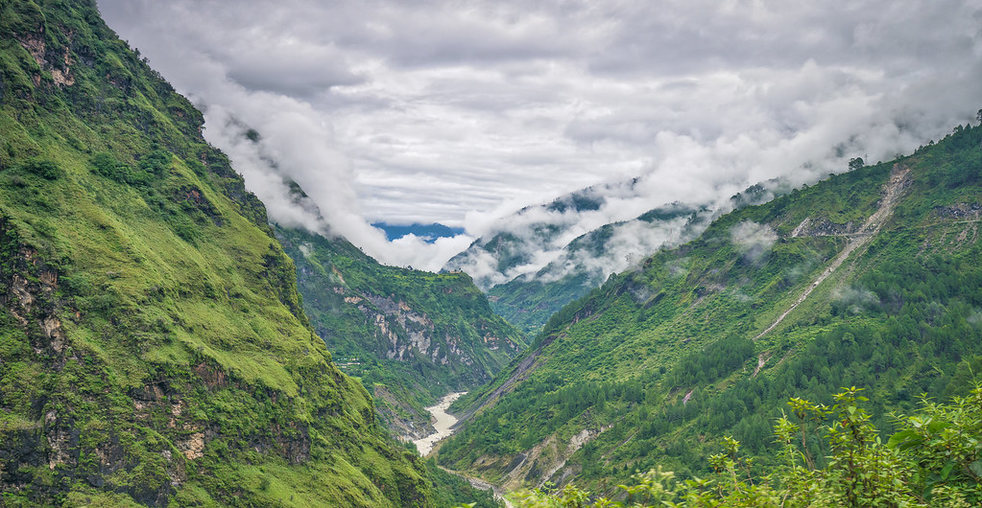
411 336
527 298
871 278
153 348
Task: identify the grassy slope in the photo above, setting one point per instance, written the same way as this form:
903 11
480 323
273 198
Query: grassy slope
460 342
901 316
152 343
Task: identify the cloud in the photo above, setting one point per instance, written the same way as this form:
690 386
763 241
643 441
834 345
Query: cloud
415 251
975 318
465 112
627 245
855 299
753 241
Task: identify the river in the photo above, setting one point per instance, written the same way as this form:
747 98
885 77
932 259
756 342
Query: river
442 423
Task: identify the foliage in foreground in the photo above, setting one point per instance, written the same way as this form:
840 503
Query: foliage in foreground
935 459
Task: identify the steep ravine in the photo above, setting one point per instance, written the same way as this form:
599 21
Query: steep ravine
444 424
411 336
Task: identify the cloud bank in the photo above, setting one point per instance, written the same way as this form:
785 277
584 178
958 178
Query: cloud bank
463 112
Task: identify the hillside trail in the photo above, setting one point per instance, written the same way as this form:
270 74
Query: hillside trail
892 191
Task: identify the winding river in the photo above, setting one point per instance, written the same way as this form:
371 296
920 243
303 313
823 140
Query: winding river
442 423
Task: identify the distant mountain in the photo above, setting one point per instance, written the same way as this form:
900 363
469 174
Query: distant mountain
410 336
428 232
872 278
508 264
524 242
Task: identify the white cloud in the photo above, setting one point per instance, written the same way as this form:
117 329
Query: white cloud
463 112
855 298
752 240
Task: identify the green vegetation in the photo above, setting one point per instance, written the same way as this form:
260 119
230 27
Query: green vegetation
934 460
529 301
153 348
652 367
412 336
528 304
450 489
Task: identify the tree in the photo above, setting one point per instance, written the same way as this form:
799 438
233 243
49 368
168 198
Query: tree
935 459
856 163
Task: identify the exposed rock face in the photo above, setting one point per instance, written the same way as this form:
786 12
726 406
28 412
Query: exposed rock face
411 336
965 211
823 227
55 62
408 333
417 328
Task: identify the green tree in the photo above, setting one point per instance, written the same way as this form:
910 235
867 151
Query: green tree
935 459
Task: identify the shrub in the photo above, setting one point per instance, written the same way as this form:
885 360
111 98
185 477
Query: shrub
43 168
935 459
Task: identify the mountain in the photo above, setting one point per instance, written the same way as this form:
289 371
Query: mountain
584 263
525 241
153 346
527 294
872 278
411 336
428 232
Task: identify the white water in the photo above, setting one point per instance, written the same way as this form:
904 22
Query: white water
442 423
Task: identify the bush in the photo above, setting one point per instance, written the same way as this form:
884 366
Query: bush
43 168
935 459
106 165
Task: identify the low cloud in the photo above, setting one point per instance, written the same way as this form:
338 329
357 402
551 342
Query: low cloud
628 245
753 241
464 113
411 250
855 299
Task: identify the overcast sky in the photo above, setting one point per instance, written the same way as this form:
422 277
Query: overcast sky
459 112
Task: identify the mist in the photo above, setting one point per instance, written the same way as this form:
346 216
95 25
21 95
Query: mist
465 113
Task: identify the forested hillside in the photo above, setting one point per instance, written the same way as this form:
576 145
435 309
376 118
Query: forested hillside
410 336
508 263
153 346
529 300
871 278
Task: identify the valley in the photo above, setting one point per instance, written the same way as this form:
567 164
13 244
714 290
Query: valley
410 336
168 338
796 297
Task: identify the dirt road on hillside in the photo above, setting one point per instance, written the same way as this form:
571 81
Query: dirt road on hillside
892 191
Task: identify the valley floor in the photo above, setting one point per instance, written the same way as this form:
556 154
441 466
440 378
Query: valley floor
443 422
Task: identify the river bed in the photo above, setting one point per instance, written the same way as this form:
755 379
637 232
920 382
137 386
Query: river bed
442 423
